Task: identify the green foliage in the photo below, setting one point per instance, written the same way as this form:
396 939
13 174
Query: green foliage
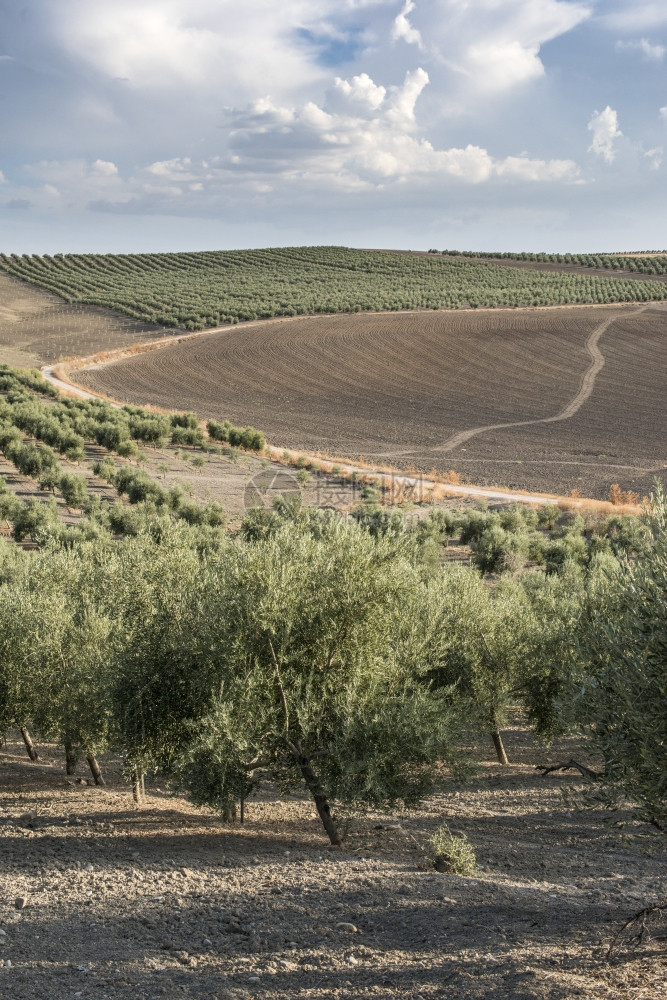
30 378
497 550
37 521
194 437
619 699
74 489
292 677
198 290
53 637
452 853
475 639
547 516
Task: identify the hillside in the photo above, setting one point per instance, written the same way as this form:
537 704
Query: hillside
199 290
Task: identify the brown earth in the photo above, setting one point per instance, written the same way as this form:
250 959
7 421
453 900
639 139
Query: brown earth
394 387
167 901
38 327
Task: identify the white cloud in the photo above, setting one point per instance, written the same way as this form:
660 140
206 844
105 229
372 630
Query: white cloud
402 29
403 99
604 126
3 179
205 46
637 15
362 89
351 151
104 168
6 58
523 168
494 45
663 112
651 52
654 157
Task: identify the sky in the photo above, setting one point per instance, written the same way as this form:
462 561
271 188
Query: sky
166 125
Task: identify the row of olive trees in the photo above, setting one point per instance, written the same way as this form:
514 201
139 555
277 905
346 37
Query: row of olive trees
197 290
319 654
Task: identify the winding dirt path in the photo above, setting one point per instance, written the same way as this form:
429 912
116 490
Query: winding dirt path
585 390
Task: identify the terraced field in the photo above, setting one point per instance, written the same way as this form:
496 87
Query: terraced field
399 387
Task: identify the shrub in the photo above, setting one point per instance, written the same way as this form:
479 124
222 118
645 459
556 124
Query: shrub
475 523
452 853
218 431
105 469
188 436
547 516
617 496
189 420
37 521
73 489
127 449
497 550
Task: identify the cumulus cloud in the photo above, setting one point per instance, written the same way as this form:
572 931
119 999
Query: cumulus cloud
403 99
202 45
604 126
362 90
352 150
663 113
402 29
494 46
650 51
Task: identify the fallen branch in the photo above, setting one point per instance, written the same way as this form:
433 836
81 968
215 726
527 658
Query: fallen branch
569 765
639 923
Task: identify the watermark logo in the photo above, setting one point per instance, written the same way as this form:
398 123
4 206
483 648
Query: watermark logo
264 487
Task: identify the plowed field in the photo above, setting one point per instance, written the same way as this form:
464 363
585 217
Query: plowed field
400 387
37 326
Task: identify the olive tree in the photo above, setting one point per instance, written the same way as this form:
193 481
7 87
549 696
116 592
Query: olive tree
476 640
282 660
619 702
54 648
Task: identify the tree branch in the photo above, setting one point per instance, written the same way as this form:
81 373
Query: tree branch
569 765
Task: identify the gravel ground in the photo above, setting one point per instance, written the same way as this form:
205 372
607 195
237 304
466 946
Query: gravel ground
100 900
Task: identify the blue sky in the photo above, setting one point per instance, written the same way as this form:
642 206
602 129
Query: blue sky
139 125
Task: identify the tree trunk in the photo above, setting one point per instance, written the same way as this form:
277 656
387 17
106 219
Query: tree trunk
95 770
498 744
70 759
242 811
29 745
321 801
137 778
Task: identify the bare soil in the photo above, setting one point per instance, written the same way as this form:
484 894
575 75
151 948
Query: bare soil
395 387
38 327
166 901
